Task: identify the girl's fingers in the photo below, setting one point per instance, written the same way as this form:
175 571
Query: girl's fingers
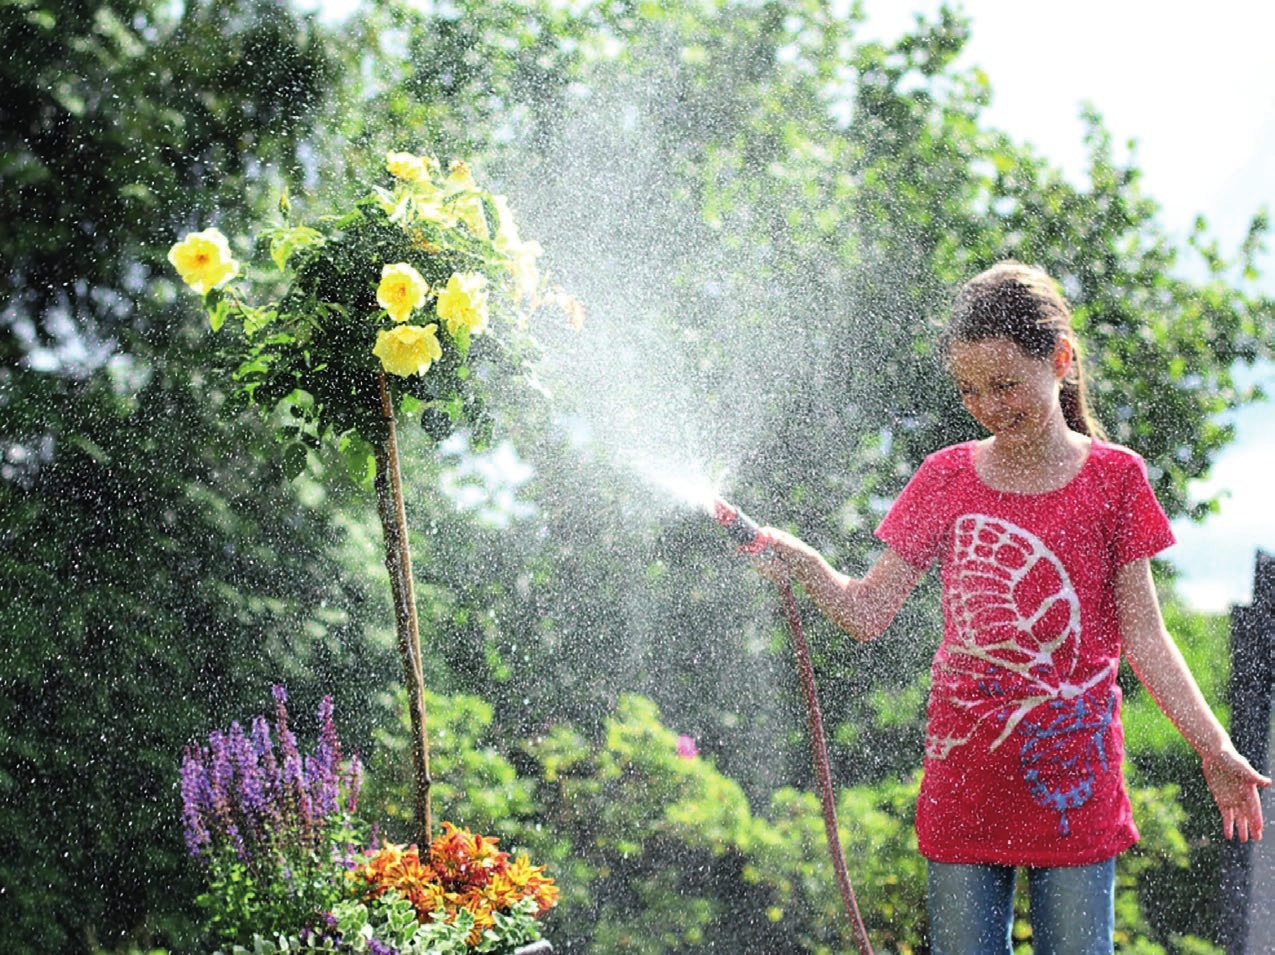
1235 784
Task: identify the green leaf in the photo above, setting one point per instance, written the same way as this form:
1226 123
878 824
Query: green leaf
255 319
284 243
294 460
360 462
218 308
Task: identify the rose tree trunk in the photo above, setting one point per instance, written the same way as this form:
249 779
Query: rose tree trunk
398 561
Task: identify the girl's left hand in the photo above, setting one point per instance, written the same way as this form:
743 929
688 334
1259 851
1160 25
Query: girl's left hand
1234 785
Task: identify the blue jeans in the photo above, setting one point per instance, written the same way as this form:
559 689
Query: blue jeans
1072 909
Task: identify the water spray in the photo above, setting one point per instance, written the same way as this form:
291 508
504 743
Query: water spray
752 540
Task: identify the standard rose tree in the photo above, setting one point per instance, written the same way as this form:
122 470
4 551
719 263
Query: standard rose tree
386 309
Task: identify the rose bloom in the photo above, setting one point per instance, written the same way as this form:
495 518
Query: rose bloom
459 178
464 302
401 291
467 208
408 349
522 255
203 260
410 168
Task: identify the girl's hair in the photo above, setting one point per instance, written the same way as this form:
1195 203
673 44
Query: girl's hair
1022 304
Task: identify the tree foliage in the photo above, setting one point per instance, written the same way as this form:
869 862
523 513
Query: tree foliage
157 568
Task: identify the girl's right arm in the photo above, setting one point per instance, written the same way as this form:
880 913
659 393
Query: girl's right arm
861 607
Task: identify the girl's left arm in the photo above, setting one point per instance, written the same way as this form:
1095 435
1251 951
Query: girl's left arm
1160 666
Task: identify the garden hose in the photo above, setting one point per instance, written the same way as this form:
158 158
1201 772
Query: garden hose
823 774
748 535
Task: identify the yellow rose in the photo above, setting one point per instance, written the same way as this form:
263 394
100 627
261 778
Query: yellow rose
464 302
408 349
203 260
522 255
468 206
410 168
459 178
401 291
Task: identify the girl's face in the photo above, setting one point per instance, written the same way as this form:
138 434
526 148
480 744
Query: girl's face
1006 390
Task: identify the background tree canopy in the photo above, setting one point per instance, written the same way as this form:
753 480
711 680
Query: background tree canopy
766 219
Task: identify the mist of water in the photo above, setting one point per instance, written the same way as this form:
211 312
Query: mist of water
679 375
675 378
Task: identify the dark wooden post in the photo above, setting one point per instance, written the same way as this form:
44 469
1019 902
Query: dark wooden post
1249 695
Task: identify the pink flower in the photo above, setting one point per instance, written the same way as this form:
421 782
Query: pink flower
686 747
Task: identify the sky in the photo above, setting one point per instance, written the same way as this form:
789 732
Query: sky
1195 96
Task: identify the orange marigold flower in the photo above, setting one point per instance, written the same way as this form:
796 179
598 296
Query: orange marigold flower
540 888
462 871
483 919
462 858
399 868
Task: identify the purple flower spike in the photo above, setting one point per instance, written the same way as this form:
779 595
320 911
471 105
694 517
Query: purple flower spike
323 769
353 783
328 740
262 745
249 788
221 779
239 795
195 802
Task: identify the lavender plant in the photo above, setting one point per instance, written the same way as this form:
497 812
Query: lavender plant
270 827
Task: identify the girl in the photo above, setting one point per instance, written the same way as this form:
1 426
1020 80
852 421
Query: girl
1044 534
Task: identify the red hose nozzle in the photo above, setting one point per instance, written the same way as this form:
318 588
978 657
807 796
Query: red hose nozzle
742 529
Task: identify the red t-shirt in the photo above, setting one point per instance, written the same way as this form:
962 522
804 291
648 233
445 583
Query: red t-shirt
1024 742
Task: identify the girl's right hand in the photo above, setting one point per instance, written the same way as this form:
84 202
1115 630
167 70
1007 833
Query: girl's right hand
862 608
784 554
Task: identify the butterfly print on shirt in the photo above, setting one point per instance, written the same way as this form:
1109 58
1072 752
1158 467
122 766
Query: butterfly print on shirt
1013 662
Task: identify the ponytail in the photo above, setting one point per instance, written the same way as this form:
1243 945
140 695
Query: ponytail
1074 398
